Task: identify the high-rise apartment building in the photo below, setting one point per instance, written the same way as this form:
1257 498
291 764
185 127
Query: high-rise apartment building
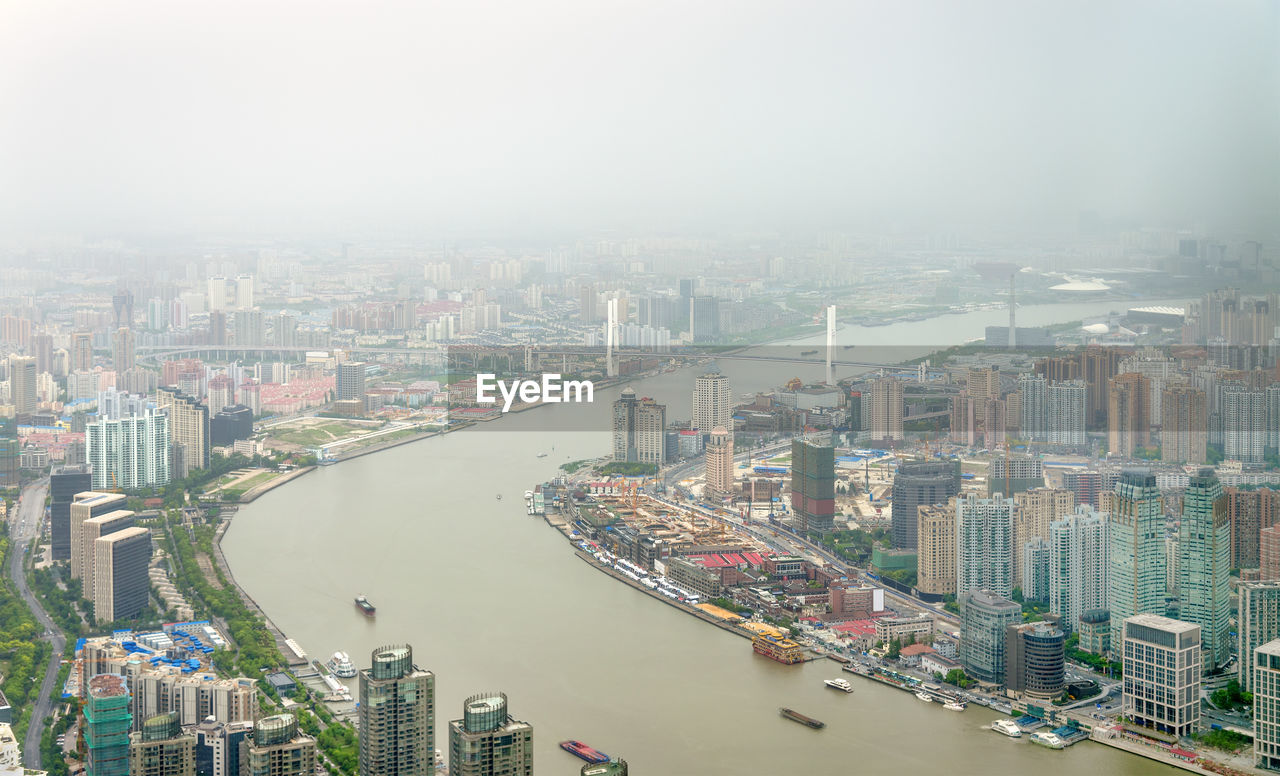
217 294
639 428
1244 425
1034 393
107 723
1272 399
189 434
1248 512
984 544
1259 623
64 483
1161 665
120 583
719 478
396 715
916 484
250 329
130 452
81 351
1034 576
1067 414
1269 553
351 380
1037 509
1128 414
1184 430
886 410
276 748
712 402
985 617
488 741
123 354
22 384
1265 660
1013 474
936 551
813 485
217 328
1078 565
244 292
1204 563
1135 581
162 749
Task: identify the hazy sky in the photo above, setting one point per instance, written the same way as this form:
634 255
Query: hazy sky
298 117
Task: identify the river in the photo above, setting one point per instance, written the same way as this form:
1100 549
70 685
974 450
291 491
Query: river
492 599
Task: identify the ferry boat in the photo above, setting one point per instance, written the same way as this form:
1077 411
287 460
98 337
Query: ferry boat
777 648
953 706
839 684
340 665
924 696
796 716
364 606
1051 740
1007 727
579 749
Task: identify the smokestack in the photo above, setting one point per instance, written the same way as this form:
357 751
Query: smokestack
1013 306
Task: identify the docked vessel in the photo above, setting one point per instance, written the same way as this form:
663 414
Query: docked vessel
839 684
777 648
579 749
924 696
363 605
1051 740
953 706
340 665
1007 727
796 716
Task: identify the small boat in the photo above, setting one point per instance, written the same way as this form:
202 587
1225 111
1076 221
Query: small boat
839 684
499 496
1007 727
542 455
340 666
579 749
796 716
1051 740
364 606
953 706
807 352
924 696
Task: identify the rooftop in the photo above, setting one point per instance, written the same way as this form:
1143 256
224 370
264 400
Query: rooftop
1166 624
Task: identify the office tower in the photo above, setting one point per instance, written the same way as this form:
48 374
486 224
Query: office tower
84 507
1266 704
397 715
719 477
813 485
936 551
984 544
130 452
217 295
1128 414
10 458
1035 570
886 410
1161 665
107 722
1135 537
1078 565
162 749
123 357
244 292
1184 429
1068 411
589 304
218 747
1037 509
1259 623
284 330
22 384
120 583
351 380
276 748
1248 512
217 328
64 483
915 484
122 305
488 741
1244 425
712 403
42 350
704 318
1204 563
985 617
1035 660
250 329
231 424
1034 391
82 351
89 531
188 430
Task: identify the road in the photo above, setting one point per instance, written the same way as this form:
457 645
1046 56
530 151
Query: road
22 529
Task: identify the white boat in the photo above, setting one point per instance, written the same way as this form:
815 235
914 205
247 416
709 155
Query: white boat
839 684
542 455
953 706
341 666
1051 740
1008 727
924 696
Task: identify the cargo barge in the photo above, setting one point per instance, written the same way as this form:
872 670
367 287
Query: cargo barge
579 749
364 606
796 716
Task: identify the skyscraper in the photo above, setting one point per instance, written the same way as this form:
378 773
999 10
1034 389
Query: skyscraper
1259 624
985 617
813 485
22 384
1037 509
936 554
121 586
64 483
81 351
351 380
123 357
1248 512
397 715
712 403
130 452
1184 430
250 329
1128 414
719 458
886 410
107 721
86 506
1035 570
1265 660
639 427
1244 425
1034 390
1135 578
188 430
276 748
1078 567
488 741
1068 412
984 544
1204 562
1161 664
915 484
